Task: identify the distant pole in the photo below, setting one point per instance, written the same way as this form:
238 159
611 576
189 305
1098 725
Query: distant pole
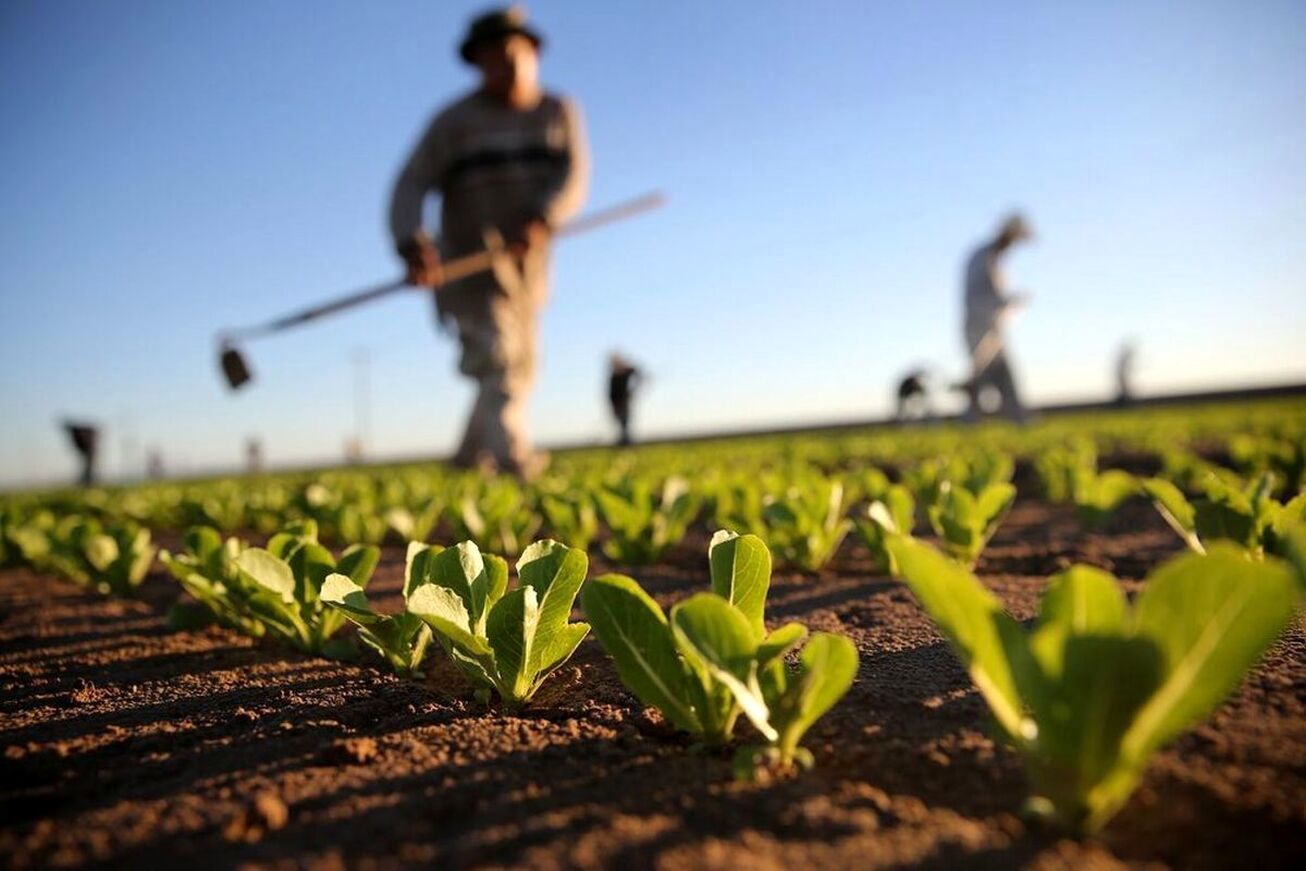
362 358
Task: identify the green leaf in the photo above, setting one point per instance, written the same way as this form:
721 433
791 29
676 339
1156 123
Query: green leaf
1083 601
511 632
268 572
741 574
341 592
463 570
827 667
496 576
417 565
1087 697
972 620
1175 509
1212 617
556 573
633 630
358 562
780 642
715 638
445 611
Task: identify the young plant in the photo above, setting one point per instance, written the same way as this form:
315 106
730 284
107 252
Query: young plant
206 570
1096 687
965 521
572 518
414 524
280 587
506 642
401 639
896 513
713 659
1248 516
497 515
643 527
807 524
112 560
1098 494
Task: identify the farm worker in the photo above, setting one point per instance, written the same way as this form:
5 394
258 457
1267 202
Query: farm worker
623 379
988 303
85 440
510 163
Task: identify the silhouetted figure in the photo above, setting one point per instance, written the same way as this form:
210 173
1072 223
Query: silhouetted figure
510 163
988 304
623 380
913 395
84 437
1125 373
253 456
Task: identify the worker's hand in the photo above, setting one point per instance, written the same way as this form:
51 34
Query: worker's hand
531 232
423 263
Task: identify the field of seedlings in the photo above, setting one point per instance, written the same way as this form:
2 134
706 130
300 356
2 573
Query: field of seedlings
1072 643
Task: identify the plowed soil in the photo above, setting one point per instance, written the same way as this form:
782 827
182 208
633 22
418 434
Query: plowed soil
127 744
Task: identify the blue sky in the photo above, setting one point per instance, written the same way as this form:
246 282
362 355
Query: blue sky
171 168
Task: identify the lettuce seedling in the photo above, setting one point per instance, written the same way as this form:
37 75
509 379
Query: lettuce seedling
572 518
401 639
965 521
206 570
1248 515
641 526
1098 494
113 560
896 513
713 658
278 587
1095 688
414 524
807 524
497 515
508 642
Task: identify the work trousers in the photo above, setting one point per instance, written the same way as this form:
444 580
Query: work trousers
498 338
997 374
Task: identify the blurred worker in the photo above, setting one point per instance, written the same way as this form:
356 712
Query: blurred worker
1125 373
85 438
914 395
510 162
988 304
623 380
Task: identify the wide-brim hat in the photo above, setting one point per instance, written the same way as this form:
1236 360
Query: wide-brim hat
499 24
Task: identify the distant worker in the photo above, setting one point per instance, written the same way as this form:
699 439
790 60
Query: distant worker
914 395
988 304
253 455
85 439
510 162
154 464
623 380
1125 373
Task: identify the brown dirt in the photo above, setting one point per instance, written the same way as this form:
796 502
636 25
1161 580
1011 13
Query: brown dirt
126 744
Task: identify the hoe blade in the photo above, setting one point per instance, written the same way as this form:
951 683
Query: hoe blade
234 368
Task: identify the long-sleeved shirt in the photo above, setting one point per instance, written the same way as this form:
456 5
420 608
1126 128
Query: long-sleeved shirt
493 166
986 294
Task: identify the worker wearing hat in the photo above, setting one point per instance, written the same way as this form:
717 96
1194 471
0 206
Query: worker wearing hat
510 163
988 304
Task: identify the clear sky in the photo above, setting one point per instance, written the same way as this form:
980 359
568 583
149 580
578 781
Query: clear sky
170 168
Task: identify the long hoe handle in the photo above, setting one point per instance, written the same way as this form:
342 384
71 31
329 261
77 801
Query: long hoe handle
454 270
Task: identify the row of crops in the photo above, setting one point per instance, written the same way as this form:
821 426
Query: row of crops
1086 694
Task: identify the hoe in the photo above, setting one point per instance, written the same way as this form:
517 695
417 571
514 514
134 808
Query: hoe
237 372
